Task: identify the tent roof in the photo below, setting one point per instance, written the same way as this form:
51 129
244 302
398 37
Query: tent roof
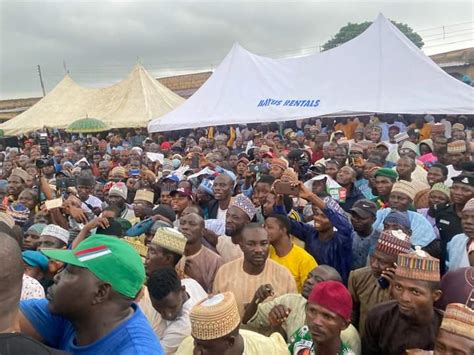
133 102
378 71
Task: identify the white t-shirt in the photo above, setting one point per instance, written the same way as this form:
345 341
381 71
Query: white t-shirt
451 173
221 214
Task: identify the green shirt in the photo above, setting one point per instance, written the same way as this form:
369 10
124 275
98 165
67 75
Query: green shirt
301 343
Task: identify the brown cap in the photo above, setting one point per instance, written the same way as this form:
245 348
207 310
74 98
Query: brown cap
215 317
459 319
393 243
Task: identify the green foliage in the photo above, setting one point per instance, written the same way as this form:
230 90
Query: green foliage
352 30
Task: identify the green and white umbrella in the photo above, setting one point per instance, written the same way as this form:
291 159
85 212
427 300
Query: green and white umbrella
87 125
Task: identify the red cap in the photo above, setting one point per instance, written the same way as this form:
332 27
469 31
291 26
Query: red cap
165 145
333 296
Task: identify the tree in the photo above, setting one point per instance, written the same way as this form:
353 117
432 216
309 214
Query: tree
352 30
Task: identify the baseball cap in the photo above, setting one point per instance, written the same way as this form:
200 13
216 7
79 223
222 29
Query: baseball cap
466 179
182 192
110 259
364 208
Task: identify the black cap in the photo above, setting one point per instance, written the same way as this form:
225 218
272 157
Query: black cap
164 211
364 208
466 179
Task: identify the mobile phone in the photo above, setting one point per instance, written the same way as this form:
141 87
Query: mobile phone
285 188
383 282
195 161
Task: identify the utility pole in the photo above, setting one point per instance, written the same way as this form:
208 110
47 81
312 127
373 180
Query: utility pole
41 79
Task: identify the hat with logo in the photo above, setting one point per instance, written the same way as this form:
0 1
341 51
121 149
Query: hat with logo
119 189
364 208
466 179
214 317
418 265
170 239
182 192
110 259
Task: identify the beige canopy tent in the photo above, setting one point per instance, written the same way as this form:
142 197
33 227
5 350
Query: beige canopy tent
133 102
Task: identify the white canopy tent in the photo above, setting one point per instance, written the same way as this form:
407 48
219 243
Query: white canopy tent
133 102
379 71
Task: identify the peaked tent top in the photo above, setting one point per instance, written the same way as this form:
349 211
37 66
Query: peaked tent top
132 102
379 71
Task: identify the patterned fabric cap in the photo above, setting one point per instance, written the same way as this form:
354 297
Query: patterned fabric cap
7 219
22 174
57 232
404 187
170 239
399 137
215 317
418 265
437 128
469 206
283 164
439 186
458 127
393 242
144 195
242 202
459 319
118 171
456 147
289 175
119 189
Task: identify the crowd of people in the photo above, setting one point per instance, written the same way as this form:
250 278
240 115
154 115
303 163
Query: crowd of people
350 235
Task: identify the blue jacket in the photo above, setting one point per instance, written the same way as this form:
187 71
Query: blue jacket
336 252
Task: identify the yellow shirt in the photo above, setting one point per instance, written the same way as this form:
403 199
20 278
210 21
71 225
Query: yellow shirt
254 344
298 261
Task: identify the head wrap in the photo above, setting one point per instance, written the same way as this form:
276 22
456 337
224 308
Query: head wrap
458 146
418 265
333 296
393 243
243 203
439 186
52 230
390 173
398 217
459 319
428 142
119 189
170 239
404 187
214 317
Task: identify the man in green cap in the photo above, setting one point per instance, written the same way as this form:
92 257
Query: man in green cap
384 180
89 308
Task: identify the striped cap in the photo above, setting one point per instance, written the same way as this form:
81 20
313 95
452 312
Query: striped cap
458 146
459 319
418 265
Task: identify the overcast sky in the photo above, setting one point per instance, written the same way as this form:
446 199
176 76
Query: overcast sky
100 41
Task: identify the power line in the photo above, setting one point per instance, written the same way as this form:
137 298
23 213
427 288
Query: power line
445 44
452 25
